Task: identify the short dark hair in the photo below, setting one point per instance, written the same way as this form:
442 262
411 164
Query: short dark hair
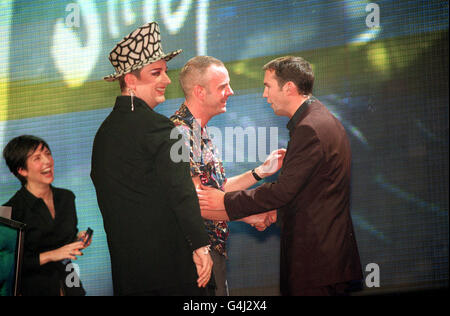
16 153
295 69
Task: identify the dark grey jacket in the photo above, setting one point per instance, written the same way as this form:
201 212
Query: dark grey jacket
312 194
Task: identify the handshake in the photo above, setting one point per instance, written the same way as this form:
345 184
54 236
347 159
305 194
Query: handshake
211 200
261 221
213 208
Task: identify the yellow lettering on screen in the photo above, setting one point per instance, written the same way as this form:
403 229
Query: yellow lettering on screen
3 99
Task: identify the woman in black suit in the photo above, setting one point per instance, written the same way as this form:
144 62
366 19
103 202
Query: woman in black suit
51 236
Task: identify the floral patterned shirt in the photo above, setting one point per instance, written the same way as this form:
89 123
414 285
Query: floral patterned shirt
206 164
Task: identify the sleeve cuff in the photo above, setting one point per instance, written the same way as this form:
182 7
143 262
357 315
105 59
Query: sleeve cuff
232 211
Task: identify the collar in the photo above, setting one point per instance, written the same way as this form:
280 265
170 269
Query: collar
29 198
185 115
123 103
298 114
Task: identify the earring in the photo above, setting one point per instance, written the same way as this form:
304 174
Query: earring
131 92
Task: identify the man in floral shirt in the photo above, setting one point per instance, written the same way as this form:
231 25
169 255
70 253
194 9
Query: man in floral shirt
205 166
206 85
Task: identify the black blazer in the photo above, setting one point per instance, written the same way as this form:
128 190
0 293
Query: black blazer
312 194
149 205
43 233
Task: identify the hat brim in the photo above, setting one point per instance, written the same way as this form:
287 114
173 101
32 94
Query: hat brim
141 64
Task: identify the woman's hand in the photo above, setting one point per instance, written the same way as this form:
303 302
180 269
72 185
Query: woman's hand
69 251
82 236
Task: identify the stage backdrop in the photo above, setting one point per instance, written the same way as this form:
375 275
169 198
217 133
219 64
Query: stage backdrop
381 68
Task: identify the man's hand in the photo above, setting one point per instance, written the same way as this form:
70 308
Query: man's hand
272 164
203 263
272 216
210 199
261 221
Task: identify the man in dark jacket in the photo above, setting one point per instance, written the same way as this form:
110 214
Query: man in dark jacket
156 236
319 254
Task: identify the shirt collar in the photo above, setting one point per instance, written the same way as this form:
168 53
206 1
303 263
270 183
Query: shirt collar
29 198
297 115
123 103
185 115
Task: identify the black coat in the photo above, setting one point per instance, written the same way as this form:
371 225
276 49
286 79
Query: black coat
42 234
149 205
312 194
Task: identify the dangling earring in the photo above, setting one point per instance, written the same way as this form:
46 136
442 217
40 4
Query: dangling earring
131 92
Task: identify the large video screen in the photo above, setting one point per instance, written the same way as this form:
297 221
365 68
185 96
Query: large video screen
381 68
